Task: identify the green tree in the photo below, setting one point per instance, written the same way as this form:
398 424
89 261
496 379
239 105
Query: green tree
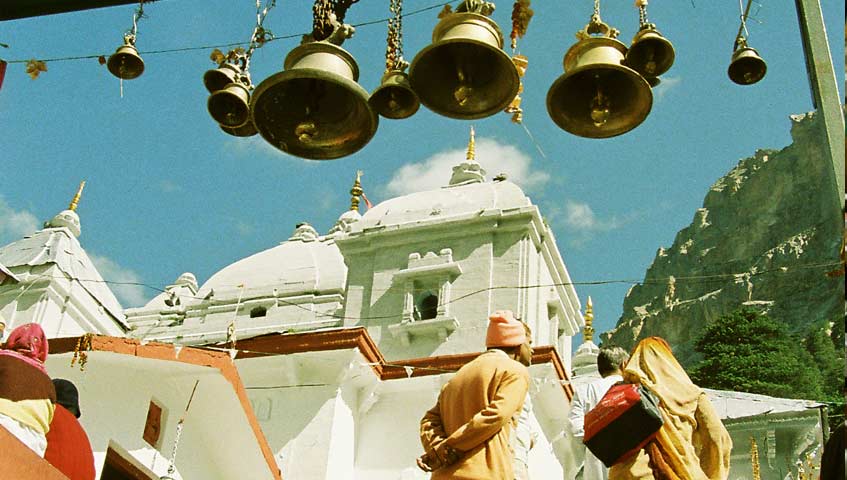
749 352
820 344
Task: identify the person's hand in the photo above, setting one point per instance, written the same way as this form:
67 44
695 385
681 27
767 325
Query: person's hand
428 462
447 454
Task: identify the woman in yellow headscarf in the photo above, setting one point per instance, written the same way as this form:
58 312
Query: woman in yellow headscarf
693 443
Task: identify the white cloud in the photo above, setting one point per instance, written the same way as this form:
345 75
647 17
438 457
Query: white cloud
169 186
125 280
15 224
663 88
435 171
580 216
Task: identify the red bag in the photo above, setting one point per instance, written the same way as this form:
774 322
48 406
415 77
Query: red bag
625 419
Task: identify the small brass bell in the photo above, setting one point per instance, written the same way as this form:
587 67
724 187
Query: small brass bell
598 97
220 77
746 67
230 106
125 63
246 130
650 54
394 98
314 108
465 73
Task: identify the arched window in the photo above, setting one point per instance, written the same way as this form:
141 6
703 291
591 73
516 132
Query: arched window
428 305
258 312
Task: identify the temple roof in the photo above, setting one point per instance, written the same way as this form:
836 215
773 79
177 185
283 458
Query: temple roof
443 203
59 246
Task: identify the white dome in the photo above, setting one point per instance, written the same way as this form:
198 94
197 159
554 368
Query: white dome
444 203
294 266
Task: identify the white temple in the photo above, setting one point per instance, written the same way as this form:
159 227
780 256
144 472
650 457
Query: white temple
315 358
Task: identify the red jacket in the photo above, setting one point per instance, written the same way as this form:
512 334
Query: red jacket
68 448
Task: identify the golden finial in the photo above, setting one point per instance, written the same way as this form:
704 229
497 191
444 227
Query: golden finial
754 458
356 192
75 201
471 146
588 330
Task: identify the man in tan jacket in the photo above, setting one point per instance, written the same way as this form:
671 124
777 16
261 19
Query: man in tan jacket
465 436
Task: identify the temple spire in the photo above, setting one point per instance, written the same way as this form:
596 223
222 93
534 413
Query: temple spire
588 330
75 201
471 146
469 170
356 192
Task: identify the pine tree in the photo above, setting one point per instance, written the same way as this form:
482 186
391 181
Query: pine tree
749 352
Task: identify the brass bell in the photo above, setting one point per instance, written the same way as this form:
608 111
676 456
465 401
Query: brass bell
650 54
230 106
394 98
465 73
746 67
125 63
314 108
246 130
220 77
598 97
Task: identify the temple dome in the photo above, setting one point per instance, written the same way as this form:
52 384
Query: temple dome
443 203
303 264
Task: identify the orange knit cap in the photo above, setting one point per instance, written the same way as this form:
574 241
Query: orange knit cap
504 330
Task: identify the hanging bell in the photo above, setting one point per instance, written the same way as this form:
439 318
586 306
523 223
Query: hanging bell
220 77
230 106
314 109
465 73
246 130
746 67
394 98
598 97
650 54
125 63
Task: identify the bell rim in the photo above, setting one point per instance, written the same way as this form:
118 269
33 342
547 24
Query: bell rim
491 111
357 89
623 68
240 131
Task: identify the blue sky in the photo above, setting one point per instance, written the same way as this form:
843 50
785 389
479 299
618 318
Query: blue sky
168 192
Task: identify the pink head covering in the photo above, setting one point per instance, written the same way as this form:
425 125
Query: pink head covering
28 343
504 330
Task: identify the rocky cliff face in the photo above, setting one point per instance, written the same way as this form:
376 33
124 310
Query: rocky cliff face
768 233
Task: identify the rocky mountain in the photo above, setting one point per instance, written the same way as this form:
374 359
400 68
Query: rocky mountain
767 235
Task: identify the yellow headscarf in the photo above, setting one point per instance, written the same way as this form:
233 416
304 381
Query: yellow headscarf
691 426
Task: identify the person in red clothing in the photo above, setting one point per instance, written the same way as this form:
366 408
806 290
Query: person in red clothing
68 448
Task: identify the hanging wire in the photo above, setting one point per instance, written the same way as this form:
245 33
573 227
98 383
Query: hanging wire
741 37
271 38
130 35
172 464
260 35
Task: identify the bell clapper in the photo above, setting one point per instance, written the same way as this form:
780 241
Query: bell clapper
600 109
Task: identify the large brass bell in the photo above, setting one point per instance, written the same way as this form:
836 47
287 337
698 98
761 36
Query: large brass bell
394 98
314 108
598 97
465 73
650 54
230 106
746 67
125 63
220 77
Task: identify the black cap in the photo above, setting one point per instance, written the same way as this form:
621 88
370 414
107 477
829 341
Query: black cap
67 395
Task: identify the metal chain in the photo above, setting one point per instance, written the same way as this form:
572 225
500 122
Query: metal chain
394 48
597 8
642 12
260 35
322 12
